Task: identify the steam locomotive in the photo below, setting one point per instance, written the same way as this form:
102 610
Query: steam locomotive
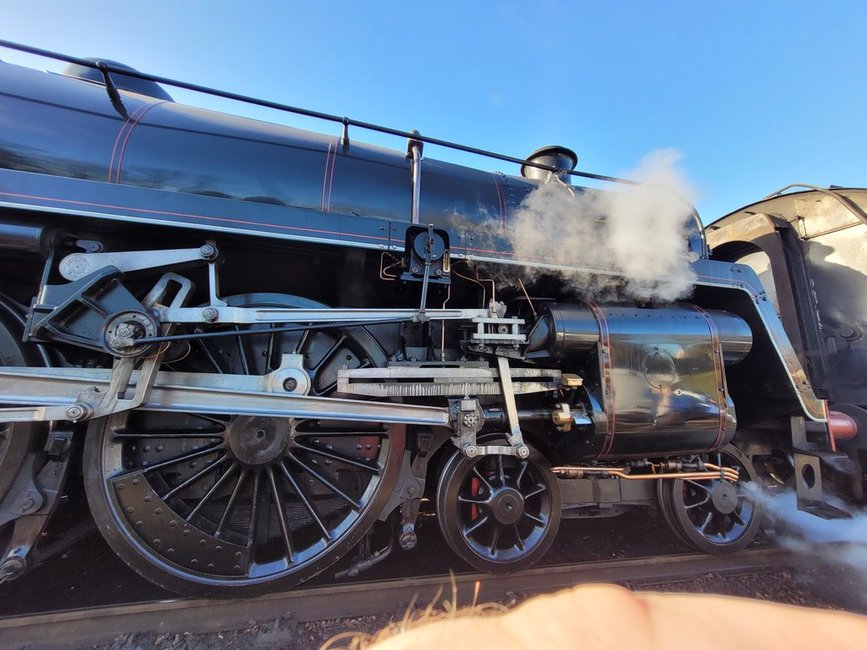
257 348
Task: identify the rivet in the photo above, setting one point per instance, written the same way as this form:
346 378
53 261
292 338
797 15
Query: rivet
202 542
211 565
237 567
120 486
187 531
173 523
135 481
218 548
160 447
139 524
147 499
238 554
170 551
130 510
194 561
158 543
158 511
146 448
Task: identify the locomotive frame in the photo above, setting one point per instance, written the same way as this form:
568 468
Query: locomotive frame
236 434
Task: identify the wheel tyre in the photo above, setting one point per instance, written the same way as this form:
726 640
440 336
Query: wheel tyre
713 518
464 479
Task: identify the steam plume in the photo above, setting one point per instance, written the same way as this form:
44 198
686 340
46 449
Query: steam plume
835 542
631 242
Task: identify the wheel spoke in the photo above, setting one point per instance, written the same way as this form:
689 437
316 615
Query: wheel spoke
478 475
324 481
314 514
539 489
209 356
477 502
230 505
495 539
501 472
210 493
330 353
698 485
302 340
182 459
734 514
518 541
521 471
281 514
481 521
207 469
333 455
269 351
698 504
537 520
705 523
242 352
256 497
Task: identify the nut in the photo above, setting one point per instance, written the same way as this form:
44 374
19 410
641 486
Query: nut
208 252
210 314
77 411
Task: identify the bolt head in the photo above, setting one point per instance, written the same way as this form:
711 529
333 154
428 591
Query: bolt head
210 314
75 412
523 451
470 451
208 251
290 384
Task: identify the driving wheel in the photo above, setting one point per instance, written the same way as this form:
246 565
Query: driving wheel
224 505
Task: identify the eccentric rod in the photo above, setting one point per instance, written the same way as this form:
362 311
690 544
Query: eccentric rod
273 330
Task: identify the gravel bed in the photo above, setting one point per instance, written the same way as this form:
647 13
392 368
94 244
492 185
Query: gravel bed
813 586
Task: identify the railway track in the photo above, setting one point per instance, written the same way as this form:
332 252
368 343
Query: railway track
83 627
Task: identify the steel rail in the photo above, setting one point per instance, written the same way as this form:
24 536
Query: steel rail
84 627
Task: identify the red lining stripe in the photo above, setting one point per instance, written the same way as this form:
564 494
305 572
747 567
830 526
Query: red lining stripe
134 124
325 176
120 131
719 370
501 198
331 177
608 378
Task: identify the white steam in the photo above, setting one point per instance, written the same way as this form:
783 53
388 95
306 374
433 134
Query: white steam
632 242
834 542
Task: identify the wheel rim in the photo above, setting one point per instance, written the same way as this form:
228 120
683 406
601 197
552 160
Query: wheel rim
714 515
16 438
200 503
498 512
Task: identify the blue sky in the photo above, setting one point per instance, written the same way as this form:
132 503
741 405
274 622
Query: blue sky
755 95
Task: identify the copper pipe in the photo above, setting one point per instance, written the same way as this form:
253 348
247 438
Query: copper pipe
726 473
